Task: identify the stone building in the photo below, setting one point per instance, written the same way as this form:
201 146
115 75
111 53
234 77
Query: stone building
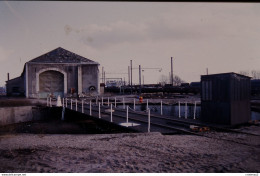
58 72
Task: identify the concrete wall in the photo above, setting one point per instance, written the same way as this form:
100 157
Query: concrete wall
11 115
90 76
34 68
77 76
18 83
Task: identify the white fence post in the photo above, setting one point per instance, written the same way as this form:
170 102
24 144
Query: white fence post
147 107
161 108
99 112
50 102
149 120
90 113
111 115
134 103
76 105
115 102
127 114
82 106
194 110
123 103
186 113
179 109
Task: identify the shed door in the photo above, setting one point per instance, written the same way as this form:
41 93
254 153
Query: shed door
51 82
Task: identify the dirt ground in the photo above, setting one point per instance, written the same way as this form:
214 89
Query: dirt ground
131 152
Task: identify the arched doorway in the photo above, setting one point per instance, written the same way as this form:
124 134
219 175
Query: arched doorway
51 82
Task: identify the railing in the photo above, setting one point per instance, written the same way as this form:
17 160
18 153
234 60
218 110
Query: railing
75 102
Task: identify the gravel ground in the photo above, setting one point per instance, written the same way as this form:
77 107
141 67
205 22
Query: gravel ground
132 152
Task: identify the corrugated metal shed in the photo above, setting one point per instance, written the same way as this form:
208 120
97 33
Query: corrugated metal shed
225 98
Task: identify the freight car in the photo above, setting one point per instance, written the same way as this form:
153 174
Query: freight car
255 87
184 88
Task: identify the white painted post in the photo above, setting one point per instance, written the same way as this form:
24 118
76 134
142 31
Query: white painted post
71 104
161 108
82 106
76 105
194 110
47 101
134 103
179 109
111 115
123 103
108 101
127 114
115 102
99 112
149 120
58 104
186 110
147 104
66 102
90 113
102 100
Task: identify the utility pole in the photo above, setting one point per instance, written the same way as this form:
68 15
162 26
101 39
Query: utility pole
131 65
103 75
140 81
171 72
128 75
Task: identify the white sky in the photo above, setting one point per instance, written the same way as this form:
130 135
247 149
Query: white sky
223 37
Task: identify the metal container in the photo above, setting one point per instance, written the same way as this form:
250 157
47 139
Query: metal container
225 98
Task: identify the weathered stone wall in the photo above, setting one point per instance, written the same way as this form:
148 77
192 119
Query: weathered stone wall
90 76
10 115
18 83
33 69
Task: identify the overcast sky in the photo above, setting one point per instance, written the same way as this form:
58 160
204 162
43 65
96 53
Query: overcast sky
223 37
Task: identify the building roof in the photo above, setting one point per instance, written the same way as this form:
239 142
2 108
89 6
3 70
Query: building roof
60 55
225 74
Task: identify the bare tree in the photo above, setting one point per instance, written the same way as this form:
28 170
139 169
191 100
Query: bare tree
177 80
245 73
166 80
255 74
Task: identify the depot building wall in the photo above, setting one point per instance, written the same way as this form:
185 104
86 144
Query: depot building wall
77 77
90 77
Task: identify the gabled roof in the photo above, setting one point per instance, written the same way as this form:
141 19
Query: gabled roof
60 55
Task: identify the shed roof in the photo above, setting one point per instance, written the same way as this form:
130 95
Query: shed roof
60 55
224 75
